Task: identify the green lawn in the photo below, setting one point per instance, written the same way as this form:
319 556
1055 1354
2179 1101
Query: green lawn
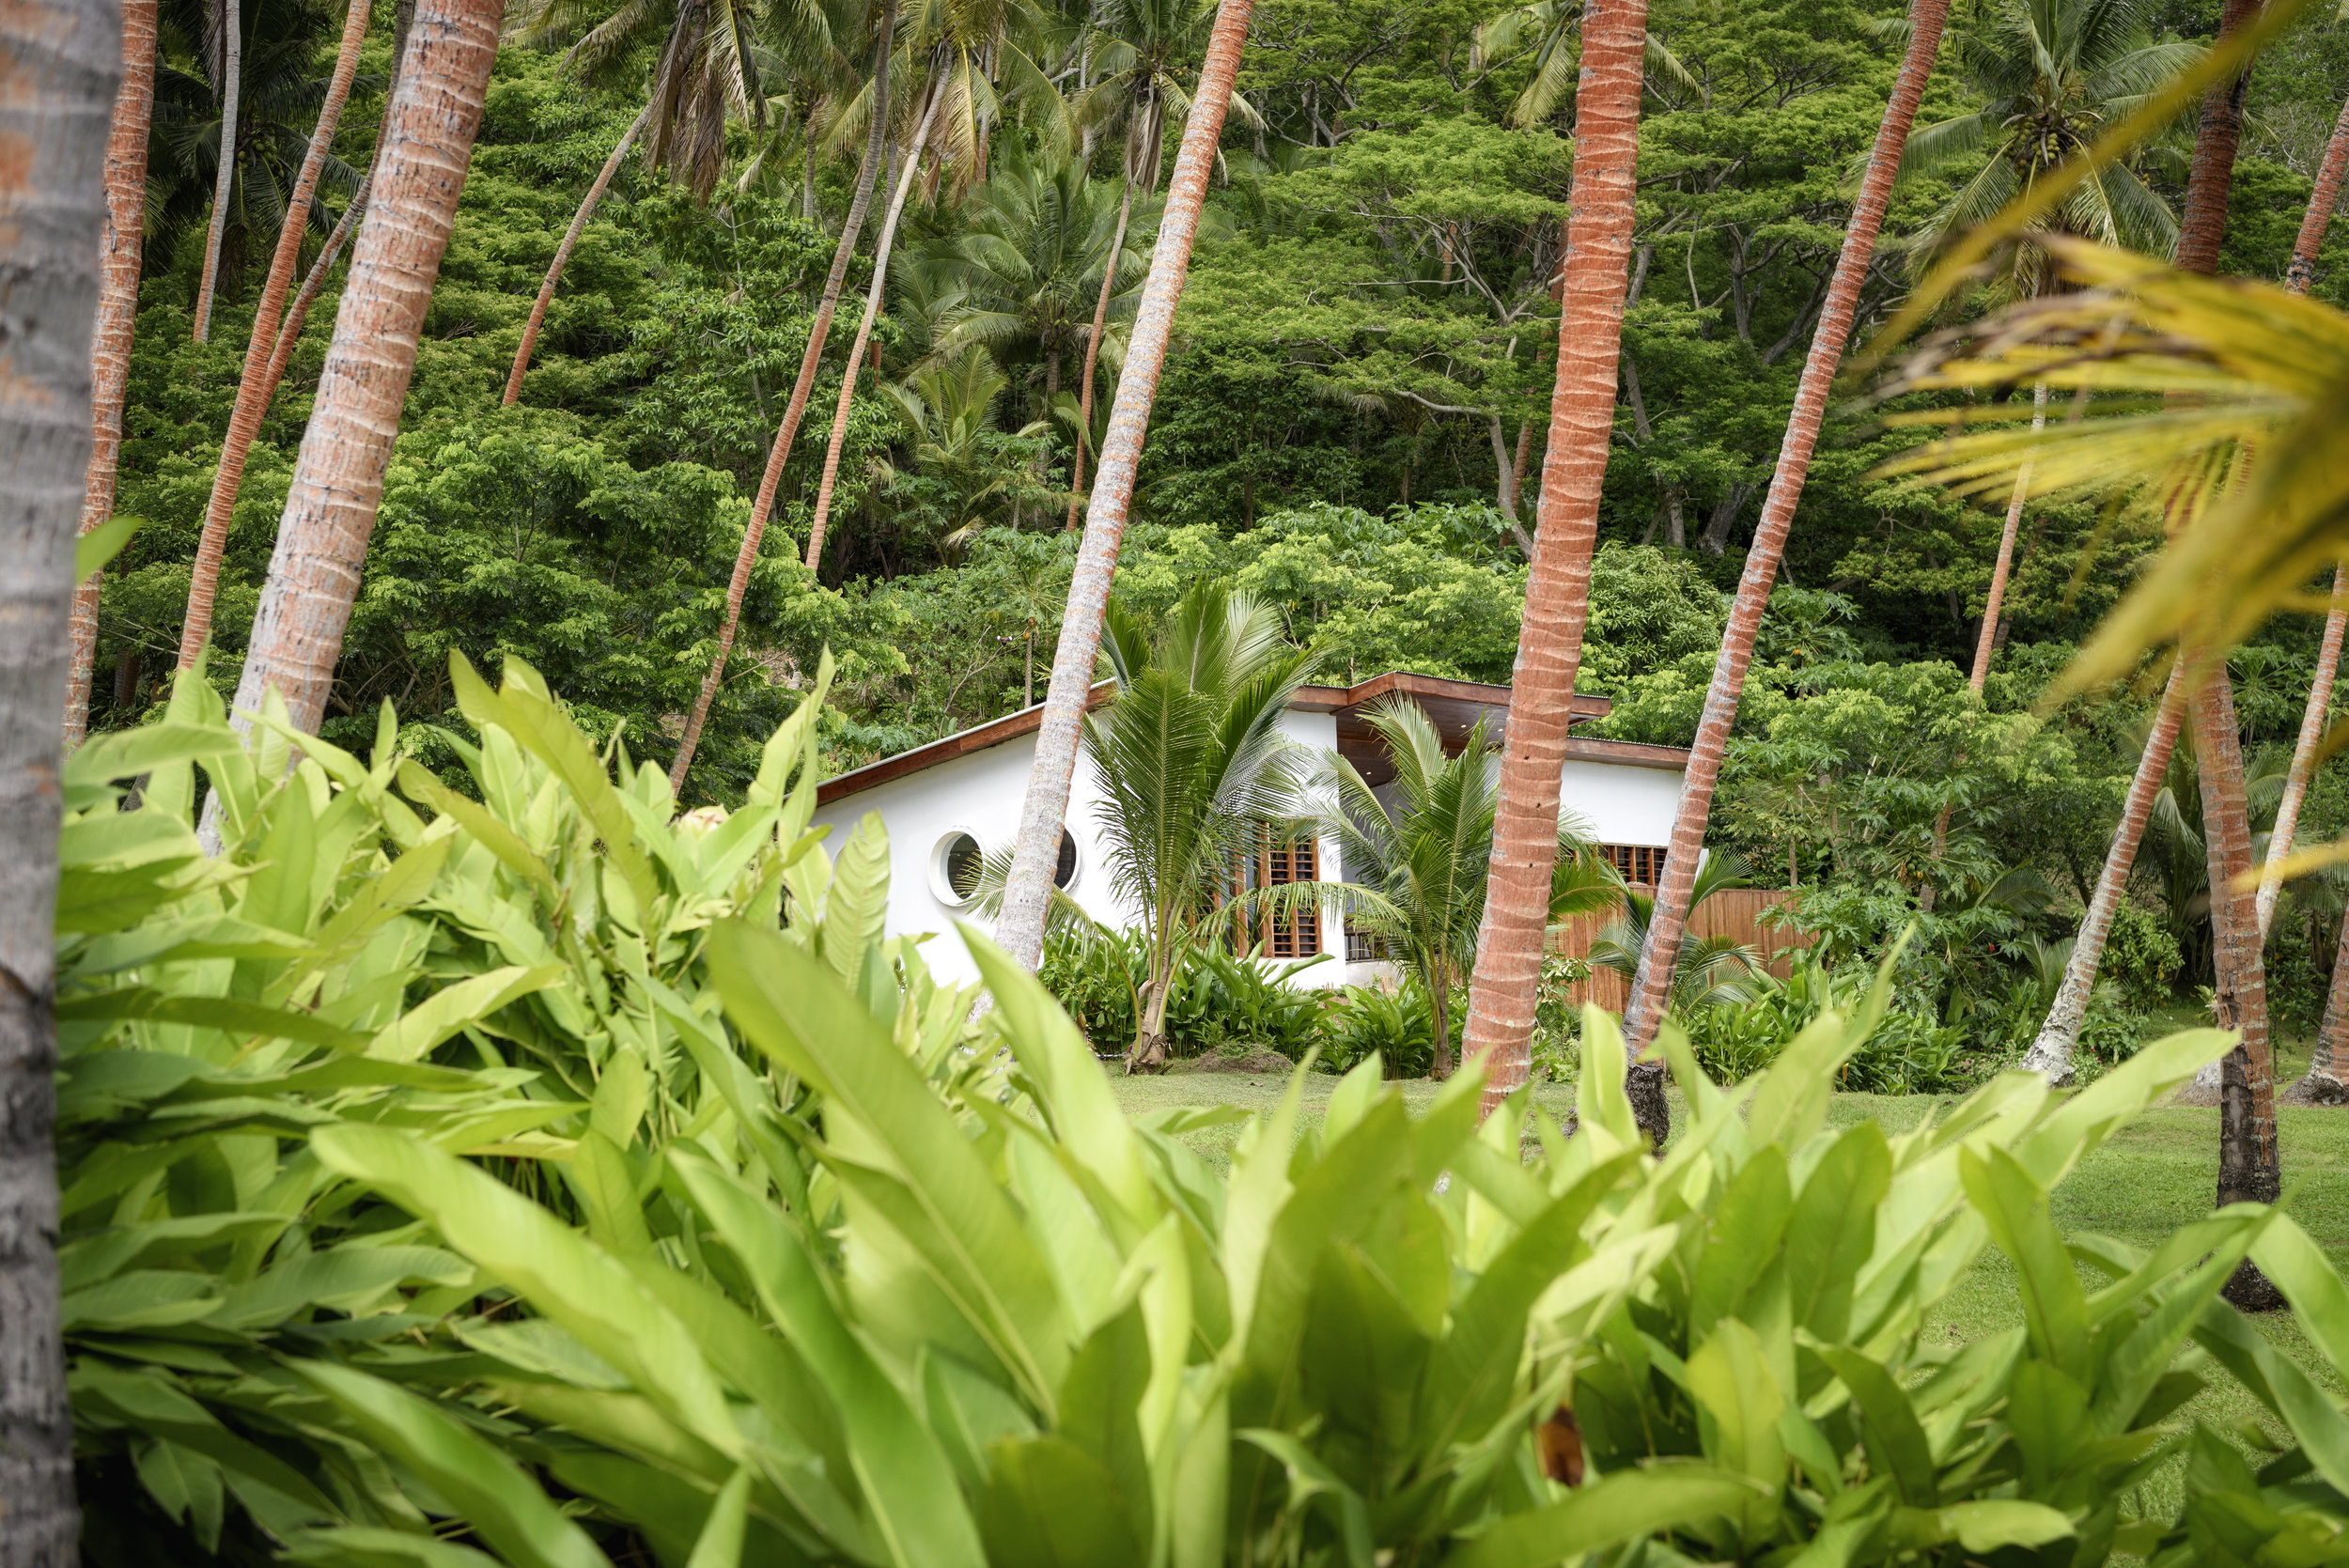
2156 1174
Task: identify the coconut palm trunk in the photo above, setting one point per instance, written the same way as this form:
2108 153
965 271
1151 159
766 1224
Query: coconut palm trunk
110 342
1997 601
1503 990
254 386
2303 756
1027 889
338 478
2051 1052
225 177
60 61
2322 200
2250 1168
1669 926
881 243
563 253
875 144
1093 352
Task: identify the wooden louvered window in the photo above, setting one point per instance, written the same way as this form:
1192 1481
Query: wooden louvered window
1276 864
1641 864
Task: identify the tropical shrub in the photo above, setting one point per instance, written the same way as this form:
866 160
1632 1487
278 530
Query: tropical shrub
1224 1003
1389 1024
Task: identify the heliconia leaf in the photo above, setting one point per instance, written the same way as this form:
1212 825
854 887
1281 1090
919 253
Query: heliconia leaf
858 902
1599 1099
101 544
1730 1378
1983 1527
1896 1440
1051 1504
1832 1229
2074 1131
366 1546
908 1486
454 1007
720 1545
533 720
1619 1508
143 1004
127 754
86 1262
490 1492
93 901
2016 1209
2277 1381
511 849
560 1272
791 1005
2320 1303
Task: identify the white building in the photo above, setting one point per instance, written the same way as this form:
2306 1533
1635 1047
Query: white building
947 803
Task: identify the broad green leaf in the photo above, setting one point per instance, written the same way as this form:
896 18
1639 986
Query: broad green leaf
141 1003
1742 1238
1050 1504
1728 1377
1982 1526
858 902
90 901
2320 1303
101 544
366 1546
2015 1207
1619 1508
491 834
561 1273
417 1031
91 1259
492 1494
1833 1229
792 1006
721 1541
127 754
907 1483
1896 1440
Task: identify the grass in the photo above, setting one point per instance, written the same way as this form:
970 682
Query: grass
2155 1175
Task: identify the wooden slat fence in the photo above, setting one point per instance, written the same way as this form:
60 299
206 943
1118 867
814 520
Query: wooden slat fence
1733 912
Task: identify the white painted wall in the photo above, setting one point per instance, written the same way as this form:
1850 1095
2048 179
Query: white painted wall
980 794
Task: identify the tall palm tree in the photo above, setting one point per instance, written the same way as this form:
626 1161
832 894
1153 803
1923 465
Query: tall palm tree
2048 75
1557 603
1036 850
59 61
955 50
1416 867
1021 274
1135 45
117 317
253 387
947 408
819 332
1550 32
1646 1004
337 481
225 53
1193 767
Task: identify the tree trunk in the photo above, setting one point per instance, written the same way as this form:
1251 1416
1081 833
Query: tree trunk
224 179
290 333
338 479
2298 277
1516 475
2319 217
1985 644
254 386
1503 989
2202 227
60 61
563 253
2303 756
1020 926
2051 1053
1093 350
110 343
2323 1085
811 359
1439 1023
2248 1168
1670 923
881 243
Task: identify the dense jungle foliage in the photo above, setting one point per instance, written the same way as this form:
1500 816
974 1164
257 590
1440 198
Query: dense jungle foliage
1365 341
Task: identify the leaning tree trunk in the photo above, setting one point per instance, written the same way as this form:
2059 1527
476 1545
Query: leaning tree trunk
1502 991
875 141
2325 1085
1028 887
254 386
225 178
2051 1052
117 317
881 243
59 61
1997 601
2319 217
2303 756
1093 350
338 479
563 253
1669 925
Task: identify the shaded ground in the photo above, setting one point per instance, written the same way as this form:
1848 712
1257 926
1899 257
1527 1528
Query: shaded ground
2155 1175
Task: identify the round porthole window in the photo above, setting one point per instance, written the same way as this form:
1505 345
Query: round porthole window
954 869
1065 871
